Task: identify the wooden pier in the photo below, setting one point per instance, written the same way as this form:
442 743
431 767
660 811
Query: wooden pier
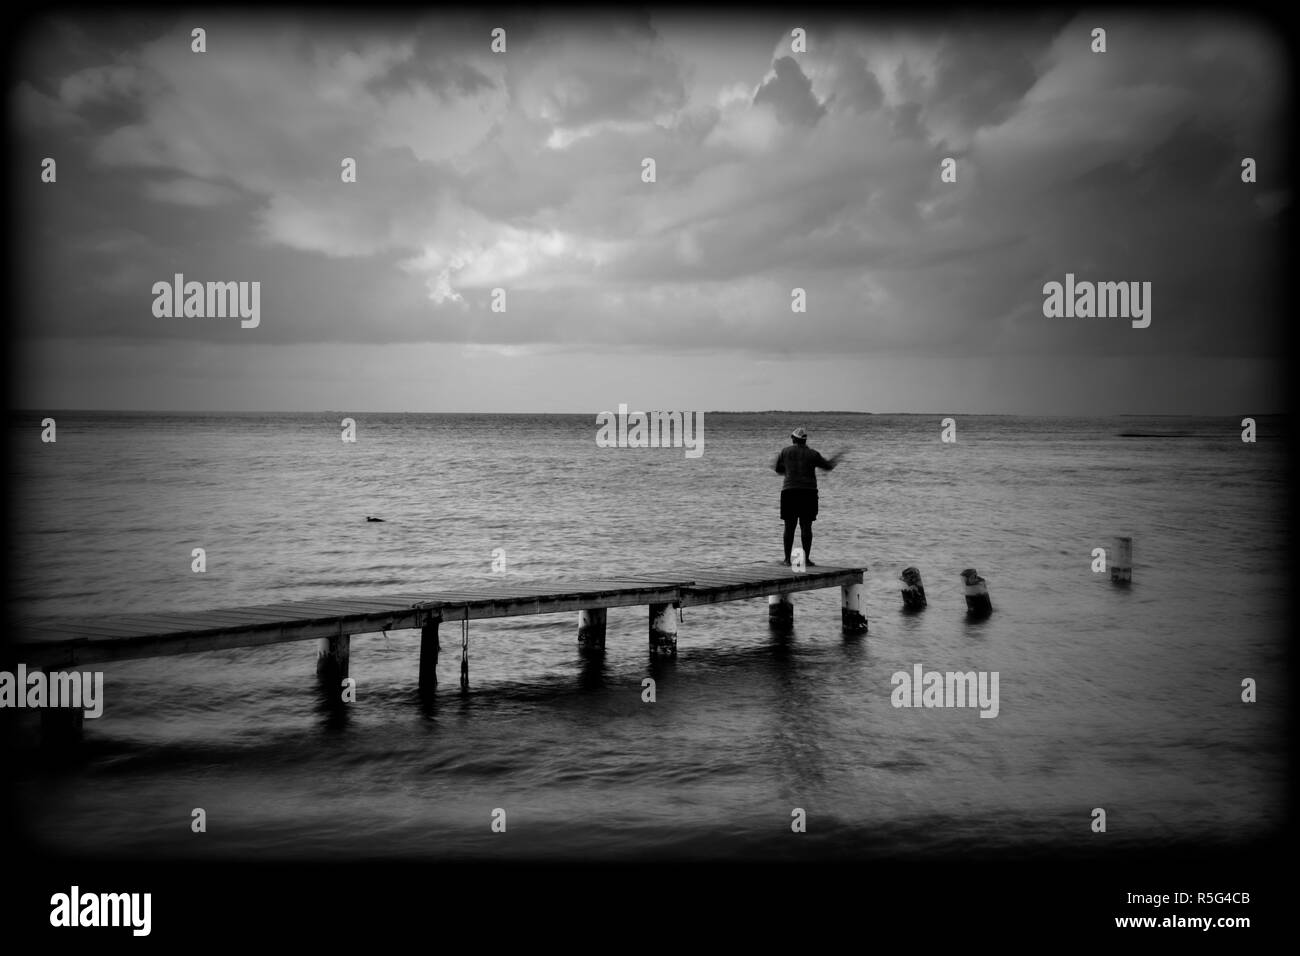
75 642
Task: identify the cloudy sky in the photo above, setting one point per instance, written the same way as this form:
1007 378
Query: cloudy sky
775 170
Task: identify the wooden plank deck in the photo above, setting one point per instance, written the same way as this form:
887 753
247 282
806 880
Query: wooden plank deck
78 641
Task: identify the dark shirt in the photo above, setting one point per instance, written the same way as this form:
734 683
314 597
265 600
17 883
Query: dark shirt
799 464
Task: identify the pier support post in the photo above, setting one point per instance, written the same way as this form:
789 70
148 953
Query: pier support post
429 648
852 618
591 627
977 594
780 612
1121 561
464 655
914 590
332 659
663 629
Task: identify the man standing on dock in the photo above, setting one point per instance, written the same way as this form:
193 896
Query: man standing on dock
799 464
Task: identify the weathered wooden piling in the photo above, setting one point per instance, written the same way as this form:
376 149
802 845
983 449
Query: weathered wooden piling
1121 561
852 618
977 594
464 654
429 649
591 627
913 591
663 629
332 659
780 611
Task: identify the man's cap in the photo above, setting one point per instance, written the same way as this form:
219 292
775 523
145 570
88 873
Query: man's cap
799 432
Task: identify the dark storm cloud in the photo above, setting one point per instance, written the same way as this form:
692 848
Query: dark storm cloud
790 93
523 171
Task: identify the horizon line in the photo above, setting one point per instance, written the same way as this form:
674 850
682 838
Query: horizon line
761 411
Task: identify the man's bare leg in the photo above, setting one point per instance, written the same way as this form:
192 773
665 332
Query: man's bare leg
789 537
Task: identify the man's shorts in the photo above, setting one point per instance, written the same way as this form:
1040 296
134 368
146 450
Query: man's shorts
799 503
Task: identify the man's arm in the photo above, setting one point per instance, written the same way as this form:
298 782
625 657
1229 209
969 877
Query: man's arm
778 466
828 464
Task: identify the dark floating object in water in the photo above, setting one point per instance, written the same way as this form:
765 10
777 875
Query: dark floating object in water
914 592
1121 561
1156 435
368 518
977 594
